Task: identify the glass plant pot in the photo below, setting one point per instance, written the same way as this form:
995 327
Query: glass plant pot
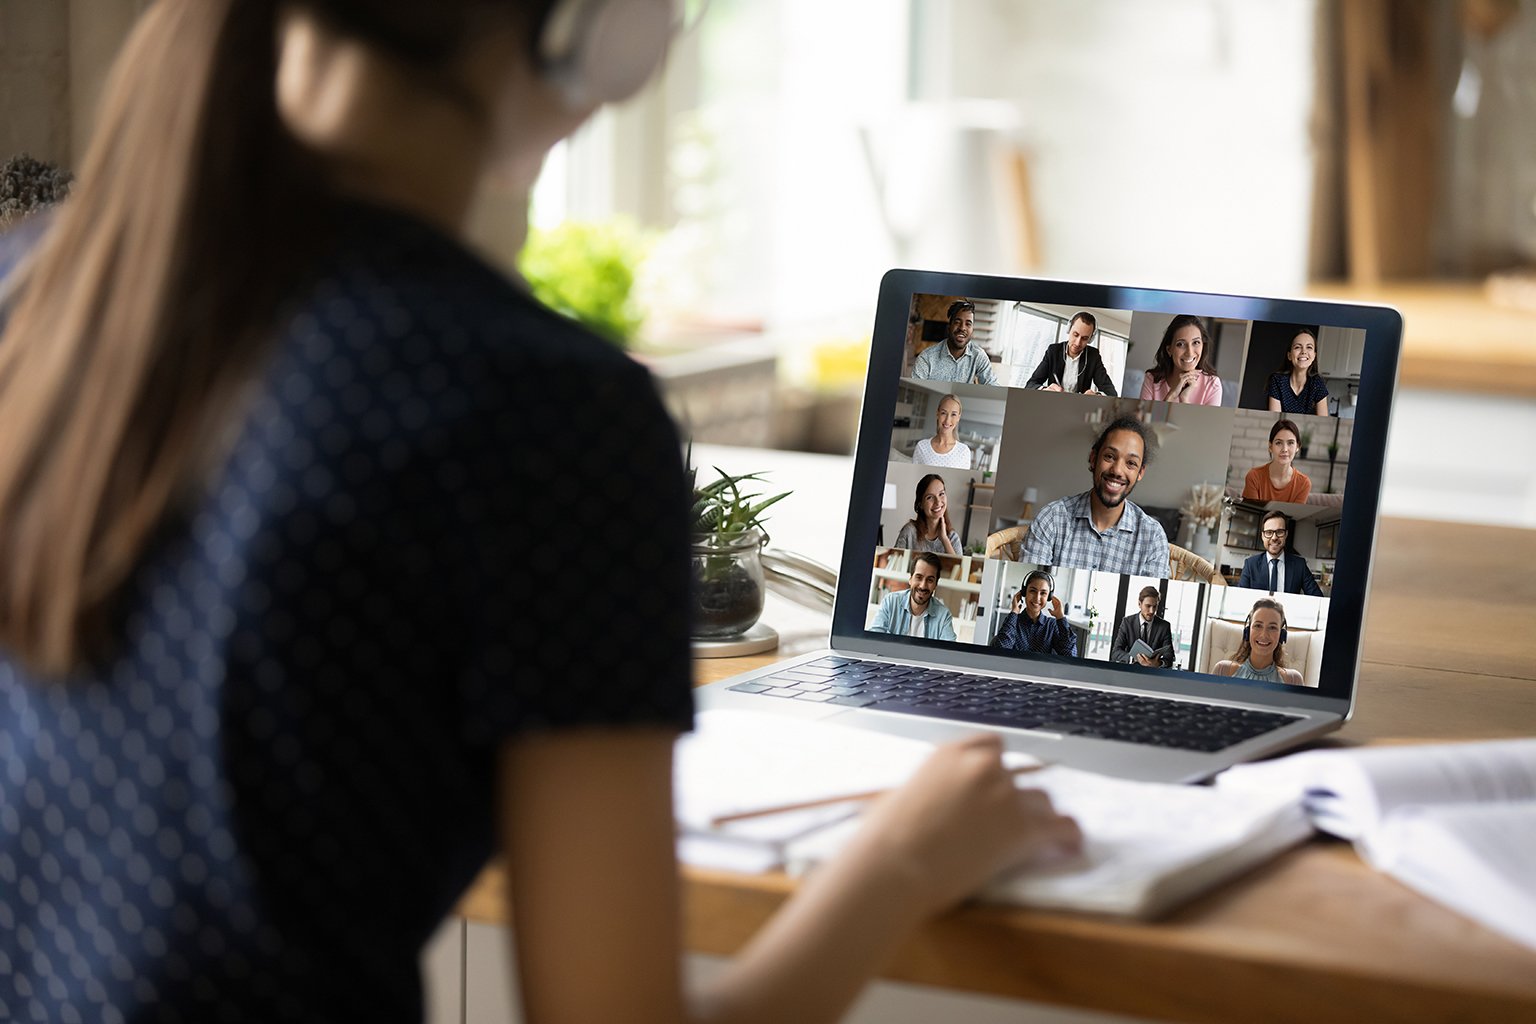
727 582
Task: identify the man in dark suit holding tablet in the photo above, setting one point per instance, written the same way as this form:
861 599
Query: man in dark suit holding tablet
1148 627
1275 569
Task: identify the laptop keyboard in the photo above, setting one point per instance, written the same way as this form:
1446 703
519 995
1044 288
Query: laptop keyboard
1019 704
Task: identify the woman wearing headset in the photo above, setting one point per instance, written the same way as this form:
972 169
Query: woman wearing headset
1028 627
1261 655
285 643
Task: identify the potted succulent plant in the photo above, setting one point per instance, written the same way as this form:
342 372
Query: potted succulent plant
728 537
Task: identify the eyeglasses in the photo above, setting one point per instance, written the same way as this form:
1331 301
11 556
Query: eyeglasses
1273 533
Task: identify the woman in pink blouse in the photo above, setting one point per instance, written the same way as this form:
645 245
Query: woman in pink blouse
1182 372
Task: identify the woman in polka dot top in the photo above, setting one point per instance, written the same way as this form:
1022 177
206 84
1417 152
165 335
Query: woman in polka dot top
295 629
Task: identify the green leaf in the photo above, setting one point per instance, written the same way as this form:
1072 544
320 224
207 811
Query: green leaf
587 272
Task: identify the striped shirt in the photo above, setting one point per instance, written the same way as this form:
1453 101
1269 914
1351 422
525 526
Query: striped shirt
1063 534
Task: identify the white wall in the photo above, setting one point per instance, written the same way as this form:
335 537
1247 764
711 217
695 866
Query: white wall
1169 143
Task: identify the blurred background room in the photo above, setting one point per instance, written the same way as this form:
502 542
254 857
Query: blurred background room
730 225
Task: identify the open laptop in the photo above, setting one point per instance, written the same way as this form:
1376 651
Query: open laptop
1033 620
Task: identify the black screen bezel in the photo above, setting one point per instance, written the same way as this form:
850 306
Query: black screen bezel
1359 514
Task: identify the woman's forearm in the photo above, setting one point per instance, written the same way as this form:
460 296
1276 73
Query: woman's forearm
812 959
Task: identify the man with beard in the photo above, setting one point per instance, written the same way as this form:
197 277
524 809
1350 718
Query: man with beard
1100 528
914 612
1072 365
957 359
1028 628
1274 569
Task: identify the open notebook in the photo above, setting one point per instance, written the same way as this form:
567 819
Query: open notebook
1149 846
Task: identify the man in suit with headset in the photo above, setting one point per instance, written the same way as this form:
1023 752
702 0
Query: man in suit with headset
1275 569
1148 626
1028 628
1073 365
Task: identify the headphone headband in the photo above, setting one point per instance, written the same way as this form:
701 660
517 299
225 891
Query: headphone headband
1041 574
1249 622
602 51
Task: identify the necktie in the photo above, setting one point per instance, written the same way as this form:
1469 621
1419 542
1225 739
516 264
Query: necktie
1144 630
1274 575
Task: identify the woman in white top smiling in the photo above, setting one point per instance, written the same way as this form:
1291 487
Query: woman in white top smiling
944 448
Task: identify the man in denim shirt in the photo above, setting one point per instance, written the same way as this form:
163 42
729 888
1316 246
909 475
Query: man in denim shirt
914 612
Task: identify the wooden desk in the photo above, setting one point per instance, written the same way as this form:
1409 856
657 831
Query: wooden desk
1315 935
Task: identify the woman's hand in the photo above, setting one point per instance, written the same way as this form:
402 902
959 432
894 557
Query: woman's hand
961 821
1186 384
1056 608
944 532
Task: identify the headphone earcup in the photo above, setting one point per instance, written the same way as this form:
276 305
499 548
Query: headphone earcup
1282 636
1245 634
602 51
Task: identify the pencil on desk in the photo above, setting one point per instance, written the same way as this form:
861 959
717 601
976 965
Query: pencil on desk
763 812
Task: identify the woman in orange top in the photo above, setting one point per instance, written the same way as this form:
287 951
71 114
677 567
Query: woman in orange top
1278 479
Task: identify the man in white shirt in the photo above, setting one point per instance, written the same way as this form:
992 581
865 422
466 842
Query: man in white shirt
1073 365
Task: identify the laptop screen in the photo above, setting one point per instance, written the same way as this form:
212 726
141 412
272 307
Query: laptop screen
1157 486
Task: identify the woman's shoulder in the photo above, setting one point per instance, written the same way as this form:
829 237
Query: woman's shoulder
408 278
1291 677
1225 668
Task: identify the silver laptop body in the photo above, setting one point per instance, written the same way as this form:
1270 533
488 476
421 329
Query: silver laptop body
1031 446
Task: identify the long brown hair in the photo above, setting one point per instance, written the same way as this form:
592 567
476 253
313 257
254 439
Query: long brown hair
919 519
134 324
1162 365
1285 360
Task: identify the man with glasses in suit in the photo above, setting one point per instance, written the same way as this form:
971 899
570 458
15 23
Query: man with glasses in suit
1275 569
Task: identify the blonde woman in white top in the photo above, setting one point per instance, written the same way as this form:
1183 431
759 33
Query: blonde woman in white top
944 448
